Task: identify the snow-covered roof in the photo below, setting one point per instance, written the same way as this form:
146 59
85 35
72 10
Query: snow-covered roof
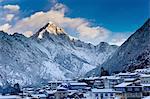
78 83
29 89
71 93
102 90
124 84
125 74
145 76
129 79
55 81
148 97
62 81
71 81
145 84
61 87
140 69
38 95
88 88
10 97
41 90
110 77
51 92
92 78
72 90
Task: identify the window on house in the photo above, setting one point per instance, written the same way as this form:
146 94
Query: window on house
137 89
96 95
147 89
111 94
129 89
101 95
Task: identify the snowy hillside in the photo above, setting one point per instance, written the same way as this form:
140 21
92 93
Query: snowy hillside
50 54
133 53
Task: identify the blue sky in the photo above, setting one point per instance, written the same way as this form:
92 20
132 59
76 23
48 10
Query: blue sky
118 18
117 15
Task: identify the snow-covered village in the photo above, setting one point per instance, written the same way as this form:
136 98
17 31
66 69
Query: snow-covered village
123 85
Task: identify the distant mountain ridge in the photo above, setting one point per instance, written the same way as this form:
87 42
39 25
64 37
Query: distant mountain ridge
133 53
50 54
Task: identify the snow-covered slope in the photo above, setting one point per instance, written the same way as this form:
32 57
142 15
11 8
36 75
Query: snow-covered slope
48 55
133 53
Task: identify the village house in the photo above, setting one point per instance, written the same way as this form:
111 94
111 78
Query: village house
39 96
145 79
143 71
128 75
61 93
130 90
103 93
80 86
99 84
90 81
111 81
54 84
50 94
131 79
145 82
75 94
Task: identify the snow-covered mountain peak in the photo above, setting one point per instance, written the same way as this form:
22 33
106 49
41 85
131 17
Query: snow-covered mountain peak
51 28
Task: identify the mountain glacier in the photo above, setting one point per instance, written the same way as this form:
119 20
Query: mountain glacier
132 54
50 54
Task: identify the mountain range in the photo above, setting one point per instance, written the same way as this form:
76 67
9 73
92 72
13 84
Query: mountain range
50 54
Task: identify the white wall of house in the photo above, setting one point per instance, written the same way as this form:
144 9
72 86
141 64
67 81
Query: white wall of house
102 95
145 79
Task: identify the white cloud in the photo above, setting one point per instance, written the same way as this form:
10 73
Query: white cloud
119 38
92 34
5 27
9 17
28 33
118 41
53 1
12 7
60 7
79 26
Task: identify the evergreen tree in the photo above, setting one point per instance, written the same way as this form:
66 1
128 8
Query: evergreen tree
17 87
104 72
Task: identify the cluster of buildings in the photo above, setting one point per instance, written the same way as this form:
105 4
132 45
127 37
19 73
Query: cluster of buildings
129 85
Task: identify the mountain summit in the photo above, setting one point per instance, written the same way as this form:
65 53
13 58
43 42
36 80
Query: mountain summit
51 28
